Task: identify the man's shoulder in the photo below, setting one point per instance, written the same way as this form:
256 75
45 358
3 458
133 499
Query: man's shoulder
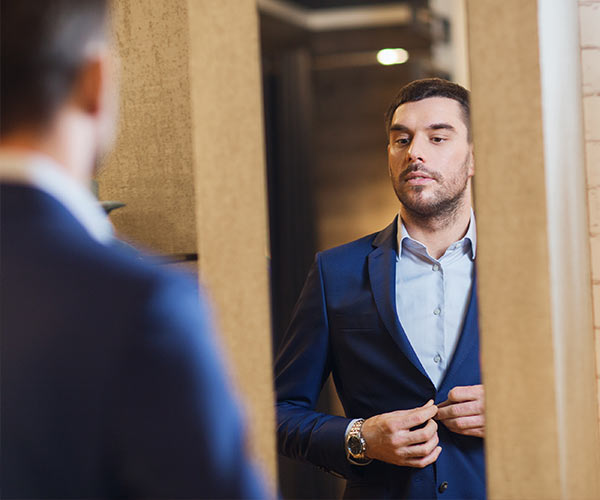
61 266
127 264
359 248
123 273
42 241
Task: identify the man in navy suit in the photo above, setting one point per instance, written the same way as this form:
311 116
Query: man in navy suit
112 383
393 317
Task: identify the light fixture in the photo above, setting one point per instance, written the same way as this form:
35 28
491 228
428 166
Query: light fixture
388 57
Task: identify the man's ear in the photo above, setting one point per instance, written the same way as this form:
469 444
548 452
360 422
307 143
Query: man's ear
88 90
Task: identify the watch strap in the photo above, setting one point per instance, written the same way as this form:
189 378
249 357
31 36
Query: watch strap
354 431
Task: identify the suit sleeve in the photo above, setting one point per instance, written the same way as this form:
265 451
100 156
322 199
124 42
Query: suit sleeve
301 368
178 431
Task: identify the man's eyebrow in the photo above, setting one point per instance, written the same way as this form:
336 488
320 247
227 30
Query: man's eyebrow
400 128
441 126
434 126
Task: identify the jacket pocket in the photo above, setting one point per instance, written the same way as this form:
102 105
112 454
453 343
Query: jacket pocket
355 321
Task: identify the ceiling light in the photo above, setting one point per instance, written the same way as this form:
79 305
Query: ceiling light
388 57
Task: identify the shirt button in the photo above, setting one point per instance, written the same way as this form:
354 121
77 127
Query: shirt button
436 267
437 311
443 487
437 358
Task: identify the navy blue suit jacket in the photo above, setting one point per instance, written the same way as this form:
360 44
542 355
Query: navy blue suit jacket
345 323
111 383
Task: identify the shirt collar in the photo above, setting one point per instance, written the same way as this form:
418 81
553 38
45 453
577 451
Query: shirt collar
469 238
43 173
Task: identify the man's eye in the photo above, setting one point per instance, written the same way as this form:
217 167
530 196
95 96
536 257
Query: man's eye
402 141
438 139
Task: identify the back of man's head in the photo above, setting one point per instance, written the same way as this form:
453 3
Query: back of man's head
43 45
418 90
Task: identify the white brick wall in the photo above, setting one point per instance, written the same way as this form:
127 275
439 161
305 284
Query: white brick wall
589 14
590 61
591 111
589 18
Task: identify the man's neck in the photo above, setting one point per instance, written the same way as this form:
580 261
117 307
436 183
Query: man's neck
64 143
437 233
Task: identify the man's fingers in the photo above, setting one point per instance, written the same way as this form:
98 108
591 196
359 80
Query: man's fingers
417 416
477 432
420 450
400 420
403 435
462 393
462 425
405 438
425 461
459 410
421 435
405 419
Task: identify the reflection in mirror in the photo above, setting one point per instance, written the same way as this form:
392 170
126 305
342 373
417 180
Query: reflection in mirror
327 82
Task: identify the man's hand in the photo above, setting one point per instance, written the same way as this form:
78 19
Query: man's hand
462 412
390 437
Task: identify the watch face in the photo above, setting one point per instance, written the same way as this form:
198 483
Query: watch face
354 445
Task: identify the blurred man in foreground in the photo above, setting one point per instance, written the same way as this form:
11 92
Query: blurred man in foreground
111 381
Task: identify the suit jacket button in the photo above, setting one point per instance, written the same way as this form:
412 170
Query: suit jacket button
443 487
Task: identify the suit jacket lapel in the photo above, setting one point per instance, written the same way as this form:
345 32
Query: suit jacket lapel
382 275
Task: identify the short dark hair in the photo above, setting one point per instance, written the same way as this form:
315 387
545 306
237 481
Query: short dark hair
42 47
430 87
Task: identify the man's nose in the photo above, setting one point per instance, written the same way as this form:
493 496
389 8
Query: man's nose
416 150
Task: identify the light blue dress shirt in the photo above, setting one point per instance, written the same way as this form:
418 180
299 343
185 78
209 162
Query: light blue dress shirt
432 297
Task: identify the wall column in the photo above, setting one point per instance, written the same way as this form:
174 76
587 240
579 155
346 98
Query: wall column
533 250
231 207
189 163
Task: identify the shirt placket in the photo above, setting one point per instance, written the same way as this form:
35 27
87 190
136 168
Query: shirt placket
440 313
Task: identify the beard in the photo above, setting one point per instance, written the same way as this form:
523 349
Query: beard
443 202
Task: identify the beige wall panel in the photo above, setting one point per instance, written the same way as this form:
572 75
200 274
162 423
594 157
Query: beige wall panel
151 167
537 359
231 200
189 159
513 283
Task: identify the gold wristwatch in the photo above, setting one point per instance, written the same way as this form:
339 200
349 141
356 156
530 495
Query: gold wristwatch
356 446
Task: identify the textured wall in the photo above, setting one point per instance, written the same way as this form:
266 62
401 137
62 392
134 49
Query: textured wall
533 258
589 19
151 167
230 196
189 161
514 312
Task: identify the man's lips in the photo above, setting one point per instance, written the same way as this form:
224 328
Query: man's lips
418 178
